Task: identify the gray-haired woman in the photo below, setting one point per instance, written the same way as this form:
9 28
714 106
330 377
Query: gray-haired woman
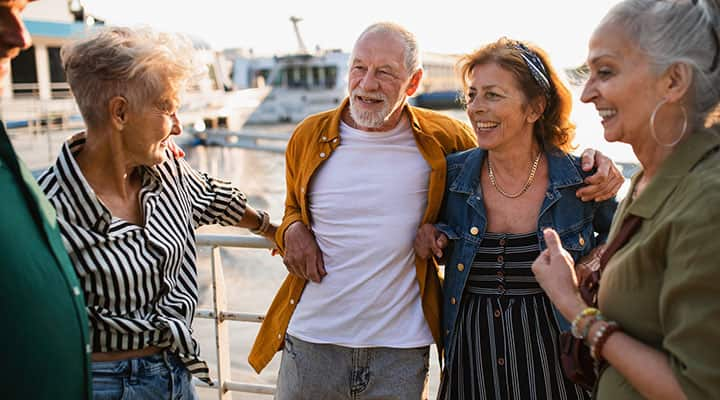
655 80
128 210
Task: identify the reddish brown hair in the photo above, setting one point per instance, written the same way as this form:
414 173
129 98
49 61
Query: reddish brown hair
553 129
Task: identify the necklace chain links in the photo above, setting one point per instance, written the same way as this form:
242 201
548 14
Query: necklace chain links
524 189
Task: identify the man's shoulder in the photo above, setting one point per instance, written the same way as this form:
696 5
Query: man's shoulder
311 125
453 134
433 120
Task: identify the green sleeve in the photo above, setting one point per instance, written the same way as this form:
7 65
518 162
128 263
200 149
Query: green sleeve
690 298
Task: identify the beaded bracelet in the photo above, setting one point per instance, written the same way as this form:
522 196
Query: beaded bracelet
587 312
600 338
589 323
264 223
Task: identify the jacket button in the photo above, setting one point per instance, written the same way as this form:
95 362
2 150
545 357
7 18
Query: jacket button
292 301
324 138
501 361
279 336
322 155
502 242
497 313
500 258
452 300
447 332
581 240
460 267
474 230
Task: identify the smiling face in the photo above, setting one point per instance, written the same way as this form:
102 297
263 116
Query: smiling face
379 81
148 129
621 85
498 109
14 37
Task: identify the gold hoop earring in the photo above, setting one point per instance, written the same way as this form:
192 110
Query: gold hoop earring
652 125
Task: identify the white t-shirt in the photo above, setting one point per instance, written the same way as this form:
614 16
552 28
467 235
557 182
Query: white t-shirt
366 203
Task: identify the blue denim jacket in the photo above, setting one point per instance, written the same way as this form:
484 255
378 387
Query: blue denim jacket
581 225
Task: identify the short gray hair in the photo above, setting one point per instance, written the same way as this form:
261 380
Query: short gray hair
412 51
677 31
139 64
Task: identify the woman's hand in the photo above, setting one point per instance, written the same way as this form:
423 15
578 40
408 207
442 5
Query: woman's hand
554 270
430 241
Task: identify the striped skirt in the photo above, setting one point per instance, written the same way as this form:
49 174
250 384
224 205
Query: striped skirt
506 346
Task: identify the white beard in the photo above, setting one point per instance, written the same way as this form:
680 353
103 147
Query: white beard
369 119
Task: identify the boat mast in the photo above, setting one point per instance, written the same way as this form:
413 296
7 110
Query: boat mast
301 44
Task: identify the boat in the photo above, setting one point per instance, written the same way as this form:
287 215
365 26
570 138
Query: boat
305 83
38 98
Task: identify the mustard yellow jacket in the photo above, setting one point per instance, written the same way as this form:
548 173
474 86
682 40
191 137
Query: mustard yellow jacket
312 143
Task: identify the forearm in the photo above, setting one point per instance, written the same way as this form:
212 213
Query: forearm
253 220
647 369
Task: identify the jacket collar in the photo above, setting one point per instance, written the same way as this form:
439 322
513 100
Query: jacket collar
562 171
672 171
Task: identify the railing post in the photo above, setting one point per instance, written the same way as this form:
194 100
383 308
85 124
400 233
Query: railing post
222 339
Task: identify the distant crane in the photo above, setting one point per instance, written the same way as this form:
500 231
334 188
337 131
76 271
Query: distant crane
301 44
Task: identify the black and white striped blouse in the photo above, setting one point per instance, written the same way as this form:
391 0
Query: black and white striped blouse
140 282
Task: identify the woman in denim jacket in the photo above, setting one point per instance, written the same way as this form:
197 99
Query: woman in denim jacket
501 330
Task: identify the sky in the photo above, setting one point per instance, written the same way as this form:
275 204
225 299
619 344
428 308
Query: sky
561 27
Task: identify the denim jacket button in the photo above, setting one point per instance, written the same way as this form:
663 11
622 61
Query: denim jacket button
460 267
581 240
452 300
474 230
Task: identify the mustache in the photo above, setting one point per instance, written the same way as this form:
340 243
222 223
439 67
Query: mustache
370 95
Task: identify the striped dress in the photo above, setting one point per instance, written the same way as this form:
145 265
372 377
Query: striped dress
506 345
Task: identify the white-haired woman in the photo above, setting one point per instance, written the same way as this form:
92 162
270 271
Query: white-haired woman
655 80
128 211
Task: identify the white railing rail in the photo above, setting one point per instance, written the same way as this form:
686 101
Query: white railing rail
221 315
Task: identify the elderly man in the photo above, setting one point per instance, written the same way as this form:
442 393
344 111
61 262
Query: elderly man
359 311
44 333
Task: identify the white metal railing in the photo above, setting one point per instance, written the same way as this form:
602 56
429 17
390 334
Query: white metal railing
221 315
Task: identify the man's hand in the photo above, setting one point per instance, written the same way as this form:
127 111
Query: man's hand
303 257
605 182
429 241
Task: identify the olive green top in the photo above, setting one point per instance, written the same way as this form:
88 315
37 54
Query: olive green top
43 333
663 286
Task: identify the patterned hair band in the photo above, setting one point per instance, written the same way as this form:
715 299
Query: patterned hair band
536 67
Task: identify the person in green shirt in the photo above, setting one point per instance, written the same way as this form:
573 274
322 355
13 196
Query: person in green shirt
44 333
655 81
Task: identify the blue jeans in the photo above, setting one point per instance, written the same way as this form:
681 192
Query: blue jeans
159 376
325 371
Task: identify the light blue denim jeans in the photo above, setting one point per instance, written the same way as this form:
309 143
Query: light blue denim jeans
324 371
159 376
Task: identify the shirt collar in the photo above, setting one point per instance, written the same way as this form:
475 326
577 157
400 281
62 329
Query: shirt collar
672 171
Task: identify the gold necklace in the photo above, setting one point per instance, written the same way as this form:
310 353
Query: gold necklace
527 185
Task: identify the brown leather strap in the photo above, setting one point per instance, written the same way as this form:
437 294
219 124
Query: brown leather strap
630 226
